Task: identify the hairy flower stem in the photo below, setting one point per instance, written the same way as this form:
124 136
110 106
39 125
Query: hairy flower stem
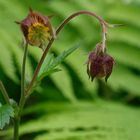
22 98
16 128
23 75
60 27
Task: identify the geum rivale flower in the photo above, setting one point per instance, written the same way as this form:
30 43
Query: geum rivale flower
36 29
99 64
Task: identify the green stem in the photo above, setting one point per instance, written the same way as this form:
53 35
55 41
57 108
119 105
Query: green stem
16 128
23 76
22 98
104 28
4 93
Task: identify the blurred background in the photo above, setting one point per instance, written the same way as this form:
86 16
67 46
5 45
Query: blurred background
67 105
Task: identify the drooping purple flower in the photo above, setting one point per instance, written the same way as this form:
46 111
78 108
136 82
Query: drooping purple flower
99 65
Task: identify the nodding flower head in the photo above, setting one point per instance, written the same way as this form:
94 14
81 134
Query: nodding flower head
99 64
36 28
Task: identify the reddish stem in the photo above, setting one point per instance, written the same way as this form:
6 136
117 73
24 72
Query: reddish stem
60 27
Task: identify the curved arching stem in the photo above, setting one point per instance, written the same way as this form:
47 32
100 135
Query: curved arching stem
60 27
102 22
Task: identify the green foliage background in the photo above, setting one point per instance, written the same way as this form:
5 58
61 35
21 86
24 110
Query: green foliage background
67 106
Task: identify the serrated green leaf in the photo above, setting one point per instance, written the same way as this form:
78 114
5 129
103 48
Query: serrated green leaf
49 72
63 55
50 63
77 63
47 62
6 112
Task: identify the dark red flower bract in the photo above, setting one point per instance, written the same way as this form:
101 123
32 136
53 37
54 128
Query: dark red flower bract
99 65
